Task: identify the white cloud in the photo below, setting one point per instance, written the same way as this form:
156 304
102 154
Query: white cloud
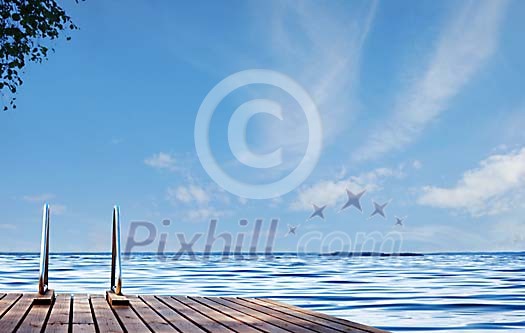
494 187
417 164
162 161
8 226
463 48
116 141
505 235
242 200
204 214
439 237
509 235
40 198
325 60
514 125
198 203
57 209
331 192
188 194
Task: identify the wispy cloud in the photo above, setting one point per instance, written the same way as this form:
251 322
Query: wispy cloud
494 187
509 235
514 125
503 235
467 42
8 226
325 59
439 237
188 194
332 192
40 198
197 203
57 209
116 141
162 161
204 214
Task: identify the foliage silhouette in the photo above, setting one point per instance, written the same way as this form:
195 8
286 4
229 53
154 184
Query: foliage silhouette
26 27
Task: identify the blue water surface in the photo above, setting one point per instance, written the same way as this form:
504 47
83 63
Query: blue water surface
457 292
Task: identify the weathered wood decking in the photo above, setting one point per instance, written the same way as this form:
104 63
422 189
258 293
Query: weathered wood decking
92 313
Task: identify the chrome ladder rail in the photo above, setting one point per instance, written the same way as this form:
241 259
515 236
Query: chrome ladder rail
44 253
116 268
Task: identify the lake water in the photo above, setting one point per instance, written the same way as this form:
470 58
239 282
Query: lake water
447 292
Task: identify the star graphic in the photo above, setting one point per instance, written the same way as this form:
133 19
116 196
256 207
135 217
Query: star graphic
291 230
399 221
379 209
353 200
318 211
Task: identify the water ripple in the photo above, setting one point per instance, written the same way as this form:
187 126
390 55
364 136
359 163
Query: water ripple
445 292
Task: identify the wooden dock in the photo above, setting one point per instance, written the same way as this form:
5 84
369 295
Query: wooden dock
149 313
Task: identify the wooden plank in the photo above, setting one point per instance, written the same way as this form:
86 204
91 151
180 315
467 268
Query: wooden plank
35 318
114 299
82 319
129 319
16 314
308 317
45 299
20 313
323 316
58 321
252 321
205 322
284 316
231 323
105 319
7 302
156 323
291 327
171 316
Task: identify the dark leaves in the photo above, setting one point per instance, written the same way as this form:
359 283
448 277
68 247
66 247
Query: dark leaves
25 27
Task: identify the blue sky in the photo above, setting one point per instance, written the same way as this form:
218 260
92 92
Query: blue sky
421 103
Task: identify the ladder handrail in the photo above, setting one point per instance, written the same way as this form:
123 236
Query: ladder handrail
44 253
116 268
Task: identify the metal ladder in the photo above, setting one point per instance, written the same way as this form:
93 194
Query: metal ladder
44 253
114 294
116 268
